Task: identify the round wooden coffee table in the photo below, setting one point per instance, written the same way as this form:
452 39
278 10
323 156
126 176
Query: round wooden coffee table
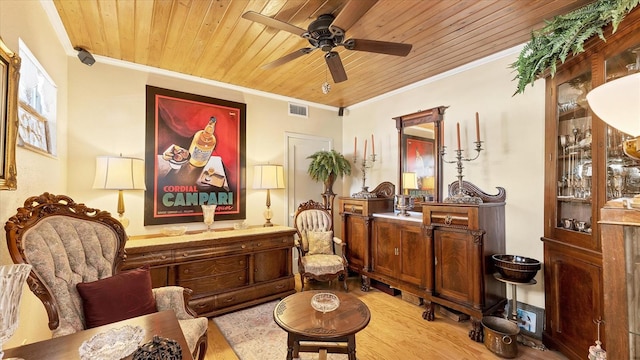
331 332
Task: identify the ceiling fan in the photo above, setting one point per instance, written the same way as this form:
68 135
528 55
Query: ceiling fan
326 33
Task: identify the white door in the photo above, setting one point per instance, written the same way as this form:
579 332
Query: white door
300 187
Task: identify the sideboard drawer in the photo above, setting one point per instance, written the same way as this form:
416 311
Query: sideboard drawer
216 283
198 269
454 216
353 207
134 260
273 243
211 251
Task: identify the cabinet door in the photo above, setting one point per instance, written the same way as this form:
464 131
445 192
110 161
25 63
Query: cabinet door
271 265
575 171
385 248
413 255
453 265
573 298
159 276
356 239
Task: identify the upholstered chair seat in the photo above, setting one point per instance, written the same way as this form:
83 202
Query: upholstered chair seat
316 245
68 244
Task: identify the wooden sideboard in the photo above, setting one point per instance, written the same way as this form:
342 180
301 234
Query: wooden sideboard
462 239
442 254
226 269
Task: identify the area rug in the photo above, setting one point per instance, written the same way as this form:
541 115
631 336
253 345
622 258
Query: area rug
254 335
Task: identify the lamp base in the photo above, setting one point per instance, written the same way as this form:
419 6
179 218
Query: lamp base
123 220
268 214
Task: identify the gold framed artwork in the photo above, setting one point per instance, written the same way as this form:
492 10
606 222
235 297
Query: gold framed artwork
9 77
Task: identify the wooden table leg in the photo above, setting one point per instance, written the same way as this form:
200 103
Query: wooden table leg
290 347
351 347
323 354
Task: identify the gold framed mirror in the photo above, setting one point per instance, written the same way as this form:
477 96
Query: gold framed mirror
419 139
9 76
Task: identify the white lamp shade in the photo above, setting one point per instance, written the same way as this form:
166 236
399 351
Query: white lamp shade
119 173
617 103
409 180
268 177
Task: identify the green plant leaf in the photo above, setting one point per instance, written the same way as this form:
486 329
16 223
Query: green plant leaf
564 36
325 163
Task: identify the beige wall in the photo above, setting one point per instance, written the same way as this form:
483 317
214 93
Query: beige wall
36 173
107 117
101 112
512 128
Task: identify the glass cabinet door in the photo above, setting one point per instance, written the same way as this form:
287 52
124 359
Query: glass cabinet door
575 168
623 151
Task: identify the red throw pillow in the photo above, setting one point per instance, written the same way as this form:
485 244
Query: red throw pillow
119 297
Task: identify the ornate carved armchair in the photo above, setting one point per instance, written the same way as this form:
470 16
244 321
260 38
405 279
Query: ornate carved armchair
316 245
68 243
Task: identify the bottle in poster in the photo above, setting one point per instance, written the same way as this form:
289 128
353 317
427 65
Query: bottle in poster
203 144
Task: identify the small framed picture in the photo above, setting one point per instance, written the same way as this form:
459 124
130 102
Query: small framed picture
530 319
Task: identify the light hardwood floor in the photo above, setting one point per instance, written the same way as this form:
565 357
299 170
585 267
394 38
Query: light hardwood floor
397 331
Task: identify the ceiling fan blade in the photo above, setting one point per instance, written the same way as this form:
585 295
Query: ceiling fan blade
380 47
335 66
287 58
350 14
277 24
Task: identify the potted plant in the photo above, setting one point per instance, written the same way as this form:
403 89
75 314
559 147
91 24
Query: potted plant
326 166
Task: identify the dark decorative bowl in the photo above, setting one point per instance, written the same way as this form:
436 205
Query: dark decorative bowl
516 268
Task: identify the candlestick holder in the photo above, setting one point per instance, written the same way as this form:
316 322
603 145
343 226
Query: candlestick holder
460 197
364 165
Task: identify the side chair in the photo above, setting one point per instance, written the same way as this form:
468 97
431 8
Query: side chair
316 245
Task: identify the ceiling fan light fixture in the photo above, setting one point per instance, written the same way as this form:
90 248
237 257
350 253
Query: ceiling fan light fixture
326 87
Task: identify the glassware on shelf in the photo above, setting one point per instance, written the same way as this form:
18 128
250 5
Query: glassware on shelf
208 212
623 150
12 278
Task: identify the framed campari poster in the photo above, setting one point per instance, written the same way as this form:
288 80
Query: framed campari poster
195 155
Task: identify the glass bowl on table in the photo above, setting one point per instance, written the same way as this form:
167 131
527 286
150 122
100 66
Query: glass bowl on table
325 302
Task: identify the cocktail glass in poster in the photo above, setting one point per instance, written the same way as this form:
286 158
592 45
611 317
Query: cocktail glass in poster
195 155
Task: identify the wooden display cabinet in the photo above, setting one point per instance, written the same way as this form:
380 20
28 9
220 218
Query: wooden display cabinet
620 230
584 168
226 269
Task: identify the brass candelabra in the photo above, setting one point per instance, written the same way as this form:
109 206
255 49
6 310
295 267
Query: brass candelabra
364 165
460 196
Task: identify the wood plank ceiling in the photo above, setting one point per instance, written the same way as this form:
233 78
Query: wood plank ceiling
210 39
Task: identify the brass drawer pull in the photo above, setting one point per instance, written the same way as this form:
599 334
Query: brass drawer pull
243 246
448 219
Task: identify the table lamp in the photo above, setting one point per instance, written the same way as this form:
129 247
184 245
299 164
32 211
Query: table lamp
267 177
119 173
409 181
